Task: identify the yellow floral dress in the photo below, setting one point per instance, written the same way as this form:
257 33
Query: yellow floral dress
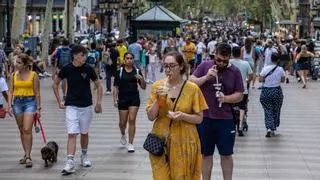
185 160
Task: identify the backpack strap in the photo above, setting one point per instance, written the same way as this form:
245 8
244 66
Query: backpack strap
121 70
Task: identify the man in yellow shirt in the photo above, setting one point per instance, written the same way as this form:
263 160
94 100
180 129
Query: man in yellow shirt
189 50
122 49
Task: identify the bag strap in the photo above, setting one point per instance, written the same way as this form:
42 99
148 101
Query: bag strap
270 72
175 104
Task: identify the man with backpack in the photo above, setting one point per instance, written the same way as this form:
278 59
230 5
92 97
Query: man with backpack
63 57
93 58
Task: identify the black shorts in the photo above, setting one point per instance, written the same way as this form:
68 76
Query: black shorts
191 62
124 104
244 103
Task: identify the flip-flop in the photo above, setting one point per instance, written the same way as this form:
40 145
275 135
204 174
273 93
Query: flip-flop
23 160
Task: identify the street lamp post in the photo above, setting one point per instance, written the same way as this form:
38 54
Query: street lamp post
8 49
132 10
108 7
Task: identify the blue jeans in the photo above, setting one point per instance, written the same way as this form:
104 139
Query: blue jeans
109 73
23 105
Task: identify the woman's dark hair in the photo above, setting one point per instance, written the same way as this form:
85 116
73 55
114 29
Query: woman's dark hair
180 60
248 44
127 54
26 60
275 57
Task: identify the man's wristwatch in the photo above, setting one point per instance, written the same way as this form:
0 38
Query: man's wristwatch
39 108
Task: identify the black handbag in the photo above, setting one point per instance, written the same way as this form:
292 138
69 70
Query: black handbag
157 145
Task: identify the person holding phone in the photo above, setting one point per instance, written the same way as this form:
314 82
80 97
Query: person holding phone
126 97
176 105
78 104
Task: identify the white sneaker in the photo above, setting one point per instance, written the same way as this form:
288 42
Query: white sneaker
108 92
123 140
47 74
68 168
130 148
85 161
41 75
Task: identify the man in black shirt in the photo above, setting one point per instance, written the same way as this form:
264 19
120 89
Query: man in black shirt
78 103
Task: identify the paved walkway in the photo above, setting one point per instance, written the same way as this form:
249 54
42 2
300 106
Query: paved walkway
293 154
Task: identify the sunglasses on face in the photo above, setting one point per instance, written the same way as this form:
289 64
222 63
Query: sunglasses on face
218 60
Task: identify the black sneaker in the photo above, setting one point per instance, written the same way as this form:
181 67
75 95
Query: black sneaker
268 134
240 133
287 80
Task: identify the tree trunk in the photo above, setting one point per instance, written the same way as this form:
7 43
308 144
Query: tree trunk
18 20
123 23
46 31
68 20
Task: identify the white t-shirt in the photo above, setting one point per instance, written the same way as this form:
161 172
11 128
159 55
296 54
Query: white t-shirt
152 58
3 87
274 79
200 48
267 54
211 47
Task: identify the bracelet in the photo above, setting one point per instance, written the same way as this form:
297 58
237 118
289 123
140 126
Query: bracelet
39 108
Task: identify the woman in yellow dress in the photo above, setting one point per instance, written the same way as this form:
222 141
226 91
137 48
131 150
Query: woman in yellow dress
184 160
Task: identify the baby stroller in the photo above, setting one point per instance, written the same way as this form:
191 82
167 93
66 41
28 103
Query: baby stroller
315 69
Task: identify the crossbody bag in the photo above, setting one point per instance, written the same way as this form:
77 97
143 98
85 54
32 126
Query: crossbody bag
155 144
270 72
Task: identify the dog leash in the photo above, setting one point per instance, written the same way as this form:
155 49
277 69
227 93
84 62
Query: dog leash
36 119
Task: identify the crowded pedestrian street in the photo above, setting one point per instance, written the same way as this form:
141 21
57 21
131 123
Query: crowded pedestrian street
292 155
160 90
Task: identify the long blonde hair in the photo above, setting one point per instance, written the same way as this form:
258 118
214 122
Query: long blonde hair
304 51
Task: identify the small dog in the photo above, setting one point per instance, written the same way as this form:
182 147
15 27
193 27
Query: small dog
50 152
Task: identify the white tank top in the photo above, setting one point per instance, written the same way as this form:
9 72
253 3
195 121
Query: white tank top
248 57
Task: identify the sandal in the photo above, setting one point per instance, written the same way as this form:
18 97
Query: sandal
28 162
23 160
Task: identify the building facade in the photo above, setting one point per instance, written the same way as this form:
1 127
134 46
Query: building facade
35 14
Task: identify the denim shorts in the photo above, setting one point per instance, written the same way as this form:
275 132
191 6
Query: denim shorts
217 132
24 105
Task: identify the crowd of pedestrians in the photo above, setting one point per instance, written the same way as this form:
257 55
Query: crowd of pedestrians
193 107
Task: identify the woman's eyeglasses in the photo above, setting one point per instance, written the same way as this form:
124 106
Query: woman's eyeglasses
170 66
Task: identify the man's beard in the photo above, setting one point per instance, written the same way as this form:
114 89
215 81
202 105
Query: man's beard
219 68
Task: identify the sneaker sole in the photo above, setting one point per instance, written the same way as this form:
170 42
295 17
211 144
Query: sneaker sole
86 166
130 151
64 172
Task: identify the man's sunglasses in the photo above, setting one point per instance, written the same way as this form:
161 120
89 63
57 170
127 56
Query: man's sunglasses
218 60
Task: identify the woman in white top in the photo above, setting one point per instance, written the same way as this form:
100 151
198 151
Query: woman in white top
271 96
248 52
